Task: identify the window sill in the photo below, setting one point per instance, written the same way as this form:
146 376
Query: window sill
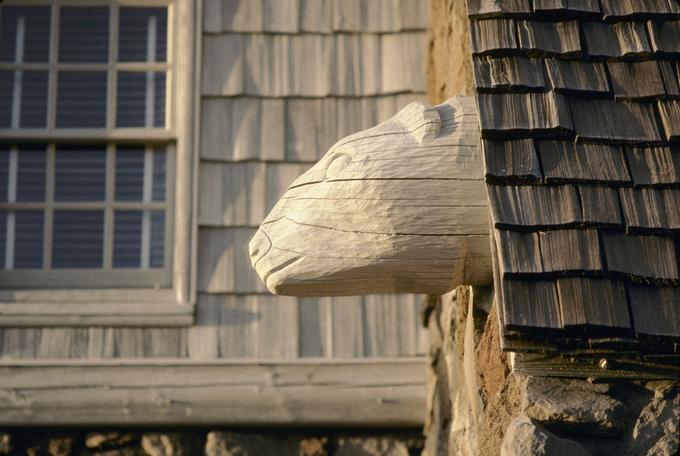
89 134
110 307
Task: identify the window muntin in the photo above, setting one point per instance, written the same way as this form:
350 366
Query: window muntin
63 204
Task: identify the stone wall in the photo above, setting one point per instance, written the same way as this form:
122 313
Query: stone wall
477 406
193 442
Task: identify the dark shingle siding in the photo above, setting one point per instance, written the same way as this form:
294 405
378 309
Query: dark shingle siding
515 74
493 34
537 306
511 161
630 9
636 80
580 111
577 76
565 161
534 207
568 7
599 205
516 114
491 8
654 166
577 296
548 38
622 39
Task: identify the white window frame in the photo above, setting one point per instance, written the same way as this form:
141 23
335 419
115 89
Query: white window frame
127 306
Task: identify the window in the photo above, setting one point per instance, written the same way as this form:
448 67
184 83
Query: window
75 67
75 201
95 143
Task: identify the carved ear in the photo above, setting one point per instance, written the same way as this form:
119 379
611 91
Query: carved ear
420 120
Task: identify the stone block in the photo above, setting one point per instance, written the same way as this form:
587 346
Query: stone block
60 446
525 437
104 440
374 446
120 452
574 406
172 444
314 446
238 444
656 430
5 443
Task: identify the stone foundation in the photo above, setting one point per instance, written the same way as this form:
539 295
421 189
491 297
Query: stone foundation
183 442
477 406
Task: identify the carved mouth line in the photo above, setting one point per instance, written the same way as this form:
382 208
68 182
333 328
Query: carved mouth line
278 268
269 247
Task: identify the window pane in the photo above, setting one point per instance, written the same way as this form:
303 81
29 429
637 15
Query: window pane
29 90
137 40
129 173
158 191
33 109
81 99
84 34
141 99
131 100
3 237
159 100
4 170
127 239
33 39
78 239
157 254
28 240
32 160
6 91
80 173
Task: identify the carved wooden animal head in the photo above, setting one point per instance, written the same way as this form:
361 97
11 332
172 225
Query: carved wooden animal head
400 207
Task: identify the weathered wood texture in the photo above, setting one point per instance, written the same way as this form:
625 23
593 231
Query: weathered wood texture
644 367
248 326
233 393
578 101
267 114
311 16
279 83
278 65
396 208
256 137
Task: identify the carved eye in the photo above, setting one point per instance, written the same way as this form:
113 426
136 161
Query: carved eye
337 164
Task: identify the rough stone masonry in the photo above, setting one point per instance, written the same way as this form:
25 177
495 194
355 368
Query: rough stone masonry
193 442
476 406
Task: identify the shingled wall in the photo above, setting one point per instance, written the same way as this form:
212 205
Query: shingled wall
282 81
578 105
